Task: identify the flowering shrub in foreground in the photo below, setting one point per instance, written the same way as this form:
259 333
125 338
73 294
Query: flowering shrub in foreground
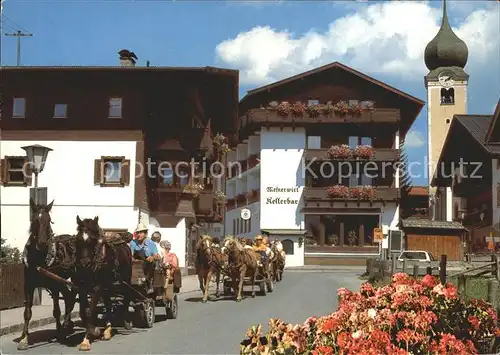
407 316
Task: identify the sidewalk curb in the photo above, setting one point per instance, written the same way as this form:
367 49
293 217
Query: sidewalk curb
37 323
34 323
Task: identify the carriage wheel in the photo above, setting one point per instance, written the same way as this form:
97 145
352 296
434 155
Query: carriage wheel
270 285
278 275
172 308
263 288
145 316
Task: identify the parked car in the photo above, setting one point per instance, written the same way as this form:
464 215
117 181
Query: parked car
421 257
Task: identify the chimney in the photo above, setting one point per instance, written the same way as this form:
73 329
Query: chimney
127 58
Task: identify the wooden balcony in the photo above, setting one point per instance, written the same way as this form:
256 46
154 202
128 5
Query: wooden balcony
253 196
316 199
320 193
253 160
379 154
231 204
263 116
172 201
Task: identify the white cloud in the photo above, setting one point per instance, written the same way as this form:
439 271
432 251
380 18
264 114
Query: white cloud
414 139
386 38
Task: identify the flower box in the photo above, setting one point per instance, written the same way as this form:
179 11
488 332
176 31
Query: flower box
340 109
363 192
363 152
193 189
219 197
341 151
338 191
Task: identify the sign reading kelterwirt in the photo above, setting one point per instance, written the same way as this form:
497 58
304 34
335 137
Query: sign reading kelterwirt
280 198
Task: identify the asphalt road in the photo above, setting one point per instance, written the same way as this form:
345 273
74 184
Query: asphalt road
215 327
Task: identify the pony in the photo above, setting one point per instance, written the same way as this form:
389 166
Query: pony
242 262
99 266
209 261
53 253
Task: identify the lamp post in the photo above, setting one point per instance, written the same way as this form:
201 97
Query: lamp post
37 155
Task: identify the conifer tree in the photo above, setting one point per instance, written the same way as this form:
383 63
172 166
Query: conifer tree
405 183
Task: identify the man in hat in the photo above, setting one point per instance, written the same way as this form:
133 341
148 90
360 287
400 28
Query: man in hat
260 248
145 249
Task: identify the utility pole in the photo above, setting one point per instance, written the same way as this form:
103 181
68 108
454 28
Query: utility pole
19 35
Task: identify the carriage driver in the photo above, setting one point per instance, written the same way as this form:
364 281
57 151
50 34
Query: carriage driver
144 249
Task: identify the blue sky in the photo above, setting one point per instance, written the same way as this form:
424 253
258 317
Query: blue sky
266 41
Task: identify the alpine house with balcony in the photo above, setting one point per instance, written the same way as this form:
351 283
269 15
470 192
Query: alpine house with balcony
141 152
468 182
315 163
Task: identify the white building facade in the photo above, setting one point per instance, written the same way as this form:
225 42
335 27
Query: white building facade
84 177
280 177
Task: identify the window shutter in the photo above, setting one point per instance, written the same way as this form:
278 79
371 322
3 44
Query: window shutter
125 177
98 172
2 171
28 172
498 195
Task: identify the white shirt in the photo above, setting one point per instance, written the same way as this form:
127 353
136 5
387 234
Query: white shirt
161 251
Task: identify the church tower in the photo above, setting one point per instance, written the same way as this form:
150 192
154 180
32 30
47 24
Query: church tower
445 57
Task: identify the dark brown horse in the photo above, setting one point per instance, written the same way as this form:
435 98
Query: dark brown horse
209 261
278 263
242 263
101 268
56 254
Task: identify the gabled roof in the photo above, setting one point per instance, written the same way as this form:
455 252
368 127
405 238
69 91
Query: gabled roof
493 122
477 127
331 66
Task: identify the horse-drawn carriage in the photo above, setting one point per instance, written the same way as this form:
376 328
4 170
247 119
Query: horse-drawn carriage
265 284
162 296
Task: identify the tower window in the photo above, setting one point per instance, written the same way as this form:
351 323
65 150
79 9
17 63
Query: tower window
448 120
447 96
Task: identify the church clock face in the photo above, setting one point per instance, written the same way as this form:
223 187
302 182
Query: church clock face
446 78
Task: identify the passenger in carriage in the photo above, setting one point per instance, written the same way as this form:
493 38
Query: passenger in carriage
248 243
156 238
216 242
145 249
269 252
169 259
260 247
279 247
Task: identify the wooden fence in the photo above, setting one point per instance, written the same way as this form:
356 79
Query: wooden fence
11 285
380 269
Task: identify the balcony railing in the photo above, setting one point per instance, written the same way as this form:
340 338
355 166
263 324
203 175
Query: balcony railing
320 193
174 203
270 116
379 154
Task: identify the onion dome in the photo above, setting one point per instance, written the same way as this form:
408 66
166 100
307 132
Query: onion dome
445 49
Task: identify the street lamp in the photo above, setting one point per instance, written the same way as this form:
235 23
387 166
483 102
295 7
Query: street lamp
37 155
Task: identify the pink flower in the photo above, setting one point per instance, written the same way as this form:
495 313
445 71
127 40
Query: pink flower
429 281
